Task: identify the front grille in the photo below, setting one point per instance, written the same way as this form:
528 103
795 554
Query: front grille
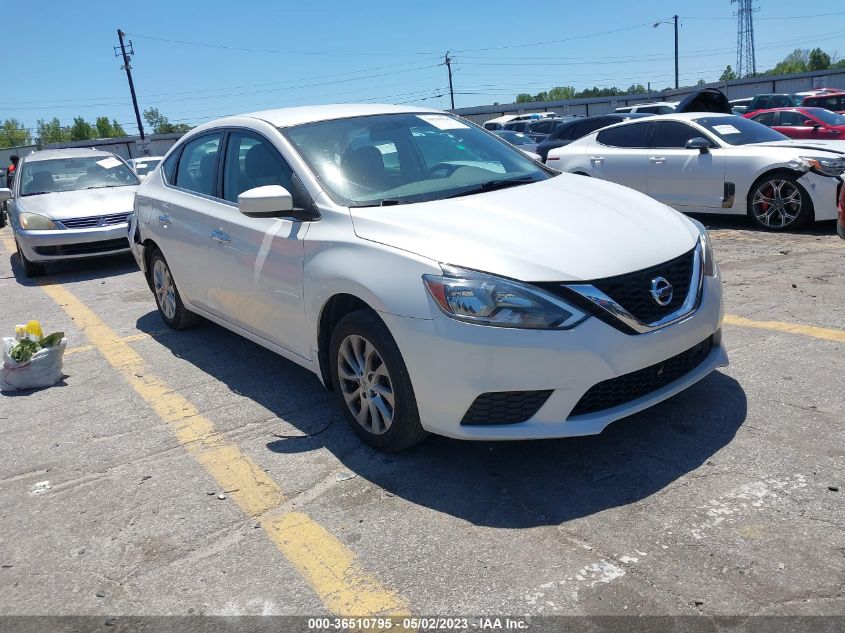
622 389
103 220
88 248
632 291
505 407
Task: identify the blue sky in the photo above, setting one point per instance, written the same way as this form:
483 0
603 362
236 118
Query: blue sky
62 61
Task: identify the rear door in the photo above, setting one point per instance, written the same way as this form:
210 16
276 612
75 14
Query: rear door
680 177
185 216
620 154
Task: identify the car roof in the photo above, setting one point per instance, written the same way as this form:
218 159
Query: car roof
74 152
287 117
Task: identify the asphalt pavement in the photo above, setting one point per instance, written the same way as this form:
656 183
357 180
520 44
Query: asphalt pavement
197 473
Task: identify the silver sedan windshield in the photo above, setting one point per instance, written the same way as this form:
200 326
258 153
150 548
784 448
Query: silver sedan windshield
402 158
71 174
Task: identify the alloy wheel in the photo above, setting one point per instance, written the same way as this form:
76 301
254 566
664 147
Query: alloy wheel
366 384
776 203
165 290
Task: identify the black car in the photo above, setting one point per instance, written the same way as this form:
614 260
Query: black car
576 128
538 129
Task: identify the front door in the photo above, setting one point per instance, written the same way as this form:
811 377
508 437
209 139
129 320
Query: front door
684 178
258 264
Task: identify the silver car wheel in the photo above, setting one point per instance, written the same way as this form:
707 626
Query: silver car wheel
366 384
165 290
776 203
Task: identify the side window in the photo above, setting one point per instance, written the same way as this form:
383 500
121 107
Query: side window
168 169
766 118
591 126
251 162
673 134
792 118
197 170
633 135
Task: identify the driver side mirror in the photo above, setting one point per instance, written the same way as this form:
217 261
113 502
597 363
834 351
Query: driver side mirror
5 194
700 143
811 123
270 201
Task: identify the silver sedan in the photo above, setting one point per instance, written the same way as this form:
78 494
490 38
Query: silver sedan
70 204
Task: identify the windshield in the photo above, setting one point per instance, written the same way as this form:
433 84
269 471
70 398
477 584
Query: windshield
145 167
516 138
826 116
402 158
735 130
71 174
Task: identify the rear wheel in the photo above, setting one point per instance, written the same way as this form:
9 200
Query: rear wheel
168 300
777 202
30 269
372 383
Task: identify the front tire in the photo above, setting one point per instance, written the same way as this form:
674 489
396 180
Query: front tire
169 302
777 202
30 269
372 383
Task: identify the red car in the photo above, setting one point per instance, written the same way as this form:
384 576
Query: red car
812 123
829 99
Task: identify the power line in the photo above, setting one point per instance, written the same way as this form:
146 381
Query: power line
276 51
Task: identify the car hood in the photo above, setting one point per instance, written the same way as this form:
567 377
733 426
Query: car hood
705 100
84 203
835 147
566 228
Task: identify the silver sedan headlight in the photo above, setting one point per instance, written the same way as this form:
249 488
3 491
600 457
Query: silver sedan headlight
36 222
474 297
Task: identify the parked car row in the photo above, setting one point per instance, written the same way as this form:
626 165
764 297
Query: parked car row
398 252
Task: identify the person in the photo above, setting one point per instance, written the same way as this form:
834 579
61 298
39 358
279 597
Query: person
10 173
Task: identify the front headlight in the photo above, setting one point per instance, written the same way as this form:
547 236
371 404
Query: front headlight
708 262
484 299
826 166
35 222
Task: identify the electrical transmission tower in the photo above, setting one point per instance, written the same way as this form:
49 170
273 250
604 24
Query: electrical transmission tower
746 65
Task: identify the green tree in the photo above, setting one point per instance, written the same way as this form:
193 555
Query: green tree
700 82
522 97
818 60
795 62
117 129
104 129
636 89
162 125
13 133
561 93
52 131
81 130
728 74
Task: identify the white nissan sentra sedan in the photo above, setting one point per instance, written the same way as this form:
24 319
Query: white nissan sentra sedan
429 273
70 204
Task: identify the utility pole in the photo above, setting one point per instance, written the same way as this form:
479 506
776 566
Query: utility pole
676 51
449 67
128 68
746 64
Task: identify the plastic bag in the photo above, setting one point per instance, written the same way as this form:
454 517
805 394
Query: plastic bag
44 369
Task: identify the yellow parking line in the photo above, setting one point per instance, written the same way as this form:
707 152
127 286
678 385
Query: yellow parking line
126 339
828 334
326 564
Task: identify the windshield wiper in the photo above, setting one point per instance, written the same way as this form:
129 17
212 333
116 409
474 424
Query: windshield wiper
493 185
388 202
35 193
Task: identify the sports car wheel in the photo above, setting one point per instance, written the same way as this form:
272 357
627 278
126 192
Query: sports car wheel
777 202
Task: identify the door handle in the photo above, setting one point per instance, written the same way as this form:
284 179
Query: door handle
221 236
657 159
596 159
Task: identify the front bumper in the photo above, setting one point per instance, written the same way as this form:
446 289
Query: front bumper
451 363
824 192
63 244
